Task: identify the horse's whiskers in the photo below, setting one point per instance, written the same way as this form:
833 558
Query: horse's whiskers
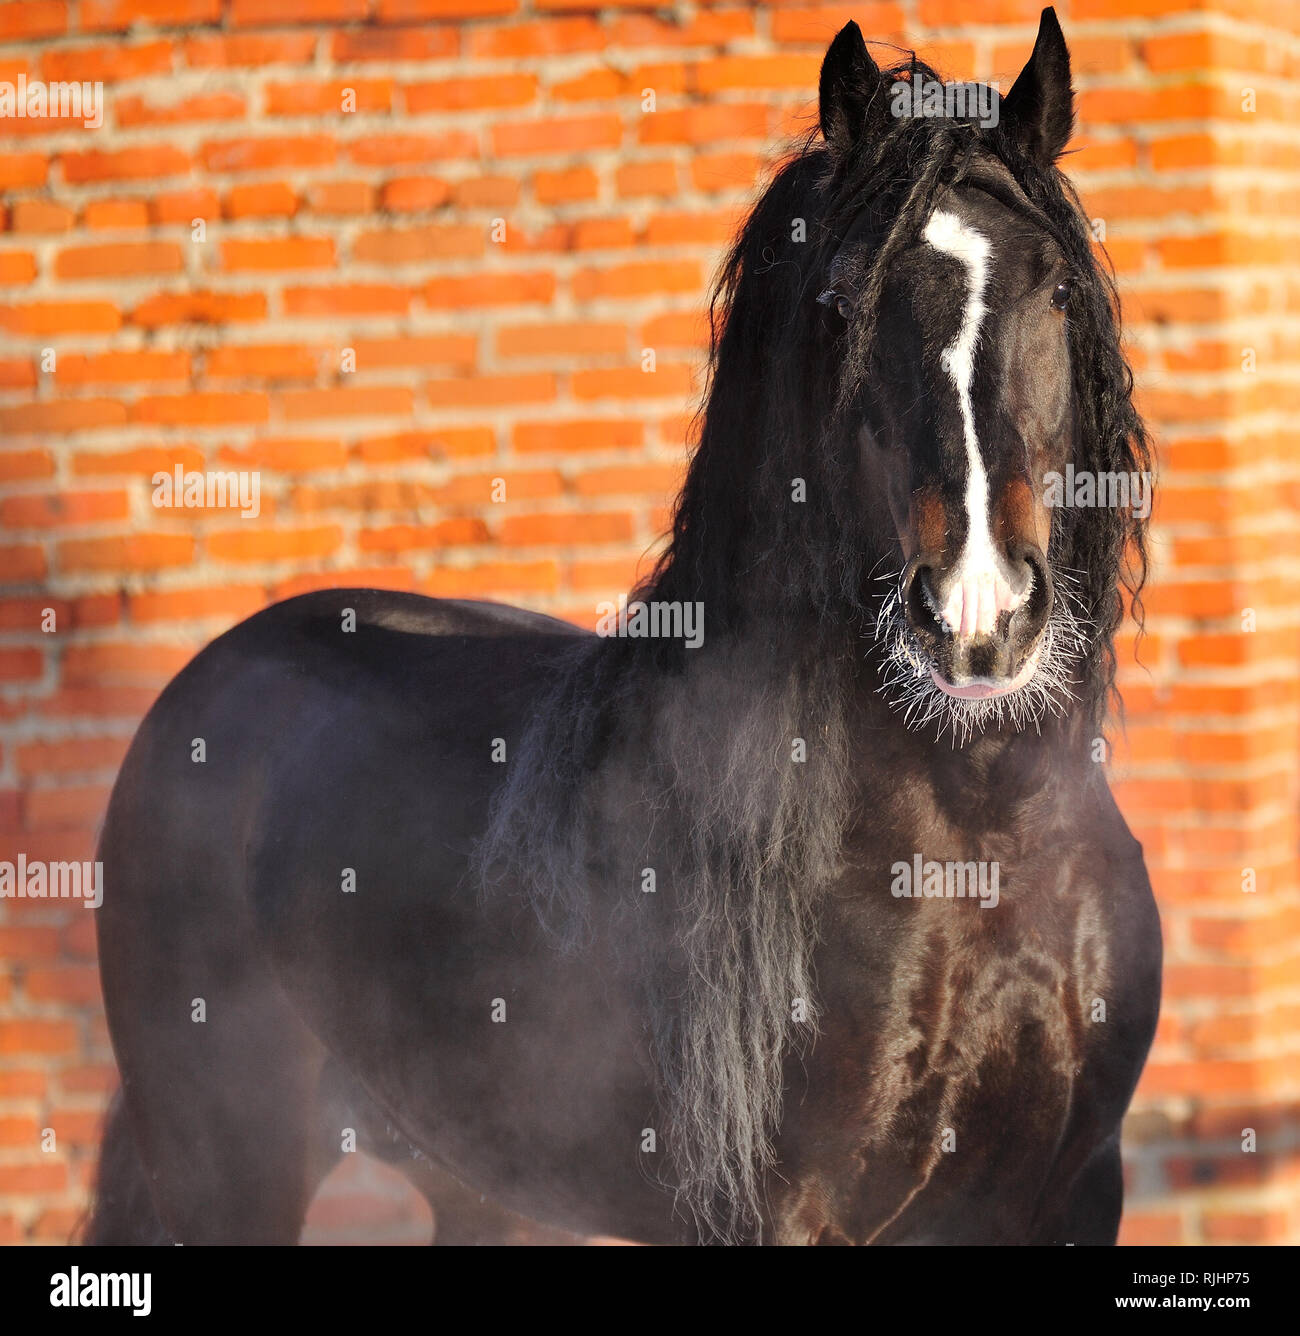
907 685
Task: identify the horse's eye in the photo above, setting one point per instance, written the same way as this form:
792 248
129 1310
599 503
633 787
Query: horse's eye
844 307
1061 294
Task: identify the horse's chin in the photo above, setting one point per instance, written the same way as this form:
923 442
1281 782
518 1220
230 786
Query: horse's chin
983 688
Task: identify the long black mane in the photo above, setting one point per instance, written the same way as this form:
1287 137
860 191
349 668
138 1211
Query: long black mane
648 754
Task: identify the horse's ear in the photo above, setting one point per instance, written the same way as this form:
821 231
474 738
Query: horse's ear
1038 112
848 83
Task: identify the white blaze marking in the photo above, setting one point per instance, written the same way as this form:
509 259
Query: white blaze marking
978 591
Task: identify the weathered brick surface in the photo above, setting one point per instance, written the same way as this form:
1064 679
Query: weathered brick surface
388 251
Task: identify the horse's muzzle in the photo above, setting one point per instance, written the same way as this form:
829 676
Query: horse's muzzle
981 629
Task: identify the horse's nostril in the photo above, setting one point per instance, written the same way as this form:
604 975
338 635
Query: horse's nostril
1035 605
920 601
1040 577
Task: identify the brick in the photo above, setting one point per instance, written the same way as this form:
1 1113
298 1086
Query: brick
184 206
135 462
98 702
551 339
494 578
633 383
120 260
544 37
26 614
35 1037
393 150
553 135
731 72
199 308
629 480
566 530
443 443
287 454
33 1179
140 163
383 494
37 215
639 279
26 464
658 177
225 603
17 267
329 97
33 511
1150 1228
21 665
255 14
692 229
19 171
63 415
706 124
77 985
25 20
281 544
348 401
486 192
107 64
1253 1227
600 85
579 435
133 112
490 290
408 11
232 50
371 577
578 183
395 44
341 198
21 562
270 255
415 194
115 214
120 15
23 1082
267 154
408 537
134 552
271 199
201 408
348 299
459 350
491 391
472 93
419 245
260 361
16 373
97 1079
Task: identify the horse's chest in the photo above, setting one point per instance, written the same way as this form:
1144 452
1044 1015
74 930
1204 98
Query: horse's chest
954 1057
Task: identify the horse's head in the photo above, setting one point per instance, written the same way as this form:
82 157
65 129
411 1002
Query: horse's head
912 339
959 378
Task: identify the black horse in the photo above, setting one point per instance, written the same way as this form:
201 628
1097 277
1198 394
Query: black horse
824 930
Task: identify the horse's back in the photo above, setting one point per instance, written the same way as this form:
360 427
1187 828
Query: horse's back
334 690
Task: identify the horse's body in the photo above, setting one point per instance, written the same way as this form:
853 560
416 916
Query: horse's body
975 1020
318 881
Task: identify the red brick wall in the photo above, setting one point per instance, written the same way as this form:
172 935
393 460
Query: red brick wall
479 358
